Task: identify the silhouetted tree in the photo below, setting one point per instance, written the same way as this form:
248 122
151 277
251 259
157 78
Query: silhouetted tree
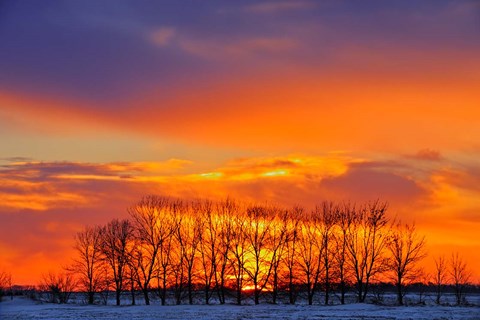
343 220
116 248
178 265
225 211
278 238
152 225
310 255
5 283
208 247
132 278
257 233
460 276
238 250
406 248
59 286
366 240
188 236
440 277
164 267
88 264
326 223
291 250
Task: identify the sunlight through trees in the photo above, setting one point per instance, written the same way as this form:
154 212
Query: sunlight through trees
178 248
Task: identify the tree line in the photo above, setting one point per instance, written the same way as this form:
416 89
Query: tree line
178 247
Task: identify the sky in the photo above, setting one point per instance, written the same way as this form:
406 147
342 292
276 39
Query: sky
290 102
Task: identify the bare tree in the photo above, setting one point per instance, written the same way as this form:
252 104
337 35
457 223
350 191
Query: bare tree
164 267
460 276
326 222
5 283
278 234
105 285
226 225
366 240
132 276
116 248
310 255
423 278
238 250
291 250
406 248
152 225
343 220
177 265
208 247
440 277
58 286
189 235
178 271
257 234
88 264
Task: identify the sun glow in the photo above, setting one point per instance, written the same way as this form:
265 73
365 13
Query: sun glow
248 287
275 173
211 175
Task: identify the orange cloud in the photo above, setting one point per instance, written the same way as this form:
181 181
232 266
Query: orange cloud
292 110
44 185
427 154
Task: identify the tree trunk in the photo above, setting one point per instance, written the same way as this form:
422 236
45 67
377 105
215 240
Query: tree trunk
178 295
275 287
164 289
190 291
91 296
365 290
291 294
117 295
360 291
342 292
327 292
147 298
239 294
132 291
207 295
458 294
327 282
399 294
163 295
221 293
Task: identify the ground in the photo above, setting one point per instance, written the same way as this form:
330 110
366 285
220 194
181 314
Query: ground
24 308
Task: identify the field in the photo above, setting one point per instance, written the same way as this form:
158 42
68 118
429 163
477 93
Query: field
24 308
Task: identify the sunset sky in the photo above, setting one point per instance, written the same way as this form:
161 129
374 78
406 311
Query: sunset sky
291 102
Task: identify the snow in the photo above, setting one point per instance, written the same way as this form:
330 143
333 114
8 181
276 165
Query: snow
24 308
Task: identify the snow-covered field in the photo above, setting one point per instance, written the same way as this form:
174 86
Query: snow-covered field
23 308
